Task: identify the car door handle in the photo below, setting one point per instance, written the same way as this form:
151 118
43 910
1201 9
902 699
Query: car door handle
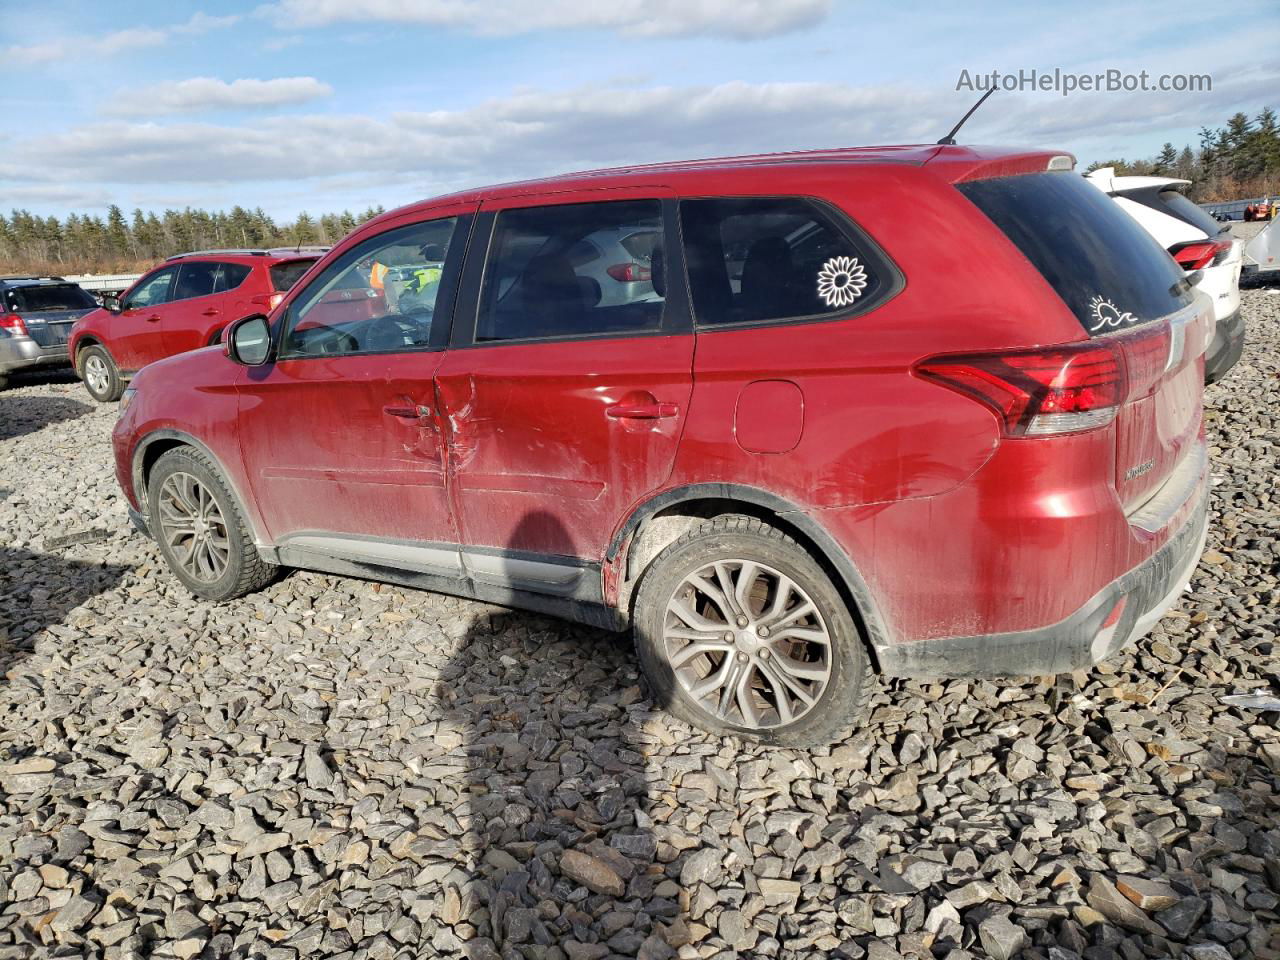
642 411
407 412
154 318
211 312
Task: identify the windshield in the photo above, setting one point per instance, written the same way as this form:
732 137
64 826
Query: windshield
1108 270
54 296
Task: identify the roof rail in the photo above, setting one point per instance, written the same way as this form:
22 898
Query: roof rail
242 252
314 248
249 252
24 276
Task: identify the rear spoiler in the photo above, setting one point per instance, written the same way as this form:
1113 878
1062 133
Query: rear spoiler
958 164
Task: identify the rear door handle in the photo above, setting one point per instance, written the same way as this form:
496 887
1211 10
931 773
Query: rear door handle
407 412
211 312
154 318
642 411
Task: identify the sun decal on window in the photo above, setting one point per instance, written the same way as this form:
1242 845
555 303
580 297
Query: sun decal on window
1106 314
841 281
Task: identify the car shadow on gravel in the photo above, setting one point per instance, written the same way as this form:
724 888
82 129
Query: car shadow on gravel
37 591
20 415
555 796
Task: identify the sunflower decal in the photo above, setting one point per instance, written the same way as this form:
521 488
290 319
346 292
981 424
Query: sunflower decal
841 281
1106 315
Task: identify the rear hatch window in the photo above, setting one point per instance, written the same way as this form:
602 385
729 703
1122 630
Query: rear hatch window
54 296
285 275
1173 203
1110 272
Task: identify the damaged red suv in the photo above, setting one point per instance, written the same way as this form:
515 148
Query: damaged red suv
743 407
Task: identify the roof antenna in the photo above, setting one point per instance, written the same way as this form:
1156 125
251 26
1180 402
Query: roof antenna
950 139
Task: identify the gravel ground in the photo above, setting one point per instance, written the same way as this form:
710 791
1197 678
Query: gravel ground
337 768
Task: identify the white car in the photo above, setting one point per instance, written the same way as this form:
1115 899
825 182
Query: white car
1197 242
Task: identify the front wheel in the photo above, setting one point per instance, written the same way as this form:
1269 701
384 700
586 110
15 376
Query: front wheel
741 632
200 530
101 378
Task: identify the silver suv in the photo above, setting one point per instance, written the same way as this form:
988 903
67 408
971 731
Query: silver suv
36 315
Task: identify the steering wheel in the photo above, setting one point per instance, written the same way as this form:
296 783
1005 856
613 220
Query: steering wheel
385 333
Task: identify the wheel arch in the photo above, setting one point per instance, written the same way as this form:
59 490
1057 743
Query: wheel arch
159 442
82 344
702 501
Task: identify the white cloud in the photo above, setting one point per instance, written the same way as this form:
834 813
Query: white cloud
117 41
412 155
209 93
742 19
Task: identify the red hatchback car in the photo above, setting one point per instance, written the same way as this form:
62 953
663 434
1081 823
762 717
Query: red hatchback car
184 303
814 439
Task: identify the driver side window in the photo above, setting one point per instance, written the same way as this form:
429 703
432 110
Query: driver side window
152 291
378 297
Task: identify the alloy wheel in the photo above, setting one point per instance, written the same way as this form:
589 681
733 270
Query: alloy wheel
193 527
96 374
747 644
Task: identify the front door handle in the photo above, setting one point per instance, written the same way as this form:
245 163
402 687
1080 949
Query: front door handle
154 318
646 410
407 412
211 312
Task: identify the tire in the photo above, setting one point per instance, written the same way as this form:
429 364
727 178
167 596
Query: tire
227 565
737 542
99 373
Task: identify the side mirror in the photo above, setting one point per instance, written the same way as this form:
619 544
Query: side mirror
248 341
111 303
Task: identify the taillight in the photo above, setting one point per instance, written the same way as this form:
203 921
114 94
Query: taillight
1198 254
629 272
1039 392
1063 389
13 323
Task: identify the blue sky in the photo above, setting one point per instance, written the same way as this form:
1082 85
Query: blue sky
318 105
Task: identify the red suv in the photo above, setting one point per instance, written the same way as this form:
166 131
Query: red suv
184 303
810 440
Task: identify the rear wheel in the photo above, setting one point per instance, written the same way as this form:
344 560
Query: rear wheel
741 632
101 378
200 530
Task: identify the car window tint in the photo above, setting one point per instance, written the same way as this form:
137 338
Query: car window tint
1104 266
195 280
231 276
754 259
152 291
59 296
564 270
285 275
378 296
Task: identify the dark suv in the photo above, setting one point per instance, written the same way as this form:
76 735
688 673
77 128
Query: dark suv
36 314
184 303
792 438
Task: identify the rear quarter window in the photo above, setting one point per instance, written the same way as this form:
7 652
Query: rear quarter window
285 275
1109 271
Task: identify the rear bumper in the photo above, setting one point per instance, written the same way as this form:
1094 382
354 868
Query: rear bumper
18 353
1149 590
1225 347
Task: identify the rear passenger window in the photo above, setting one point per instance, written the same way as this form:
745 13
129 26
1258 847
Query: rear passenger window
583 269
231 276
195 280
754 259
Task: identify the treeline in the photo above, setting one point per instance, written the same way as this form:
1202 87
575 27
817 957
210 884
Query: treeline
83 243
1235 162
